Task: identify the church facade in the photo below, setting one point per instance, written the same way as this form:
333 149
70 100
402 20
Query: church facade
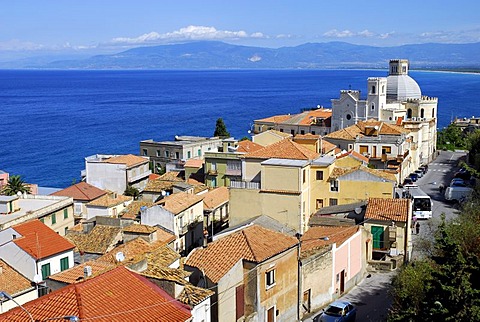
395 99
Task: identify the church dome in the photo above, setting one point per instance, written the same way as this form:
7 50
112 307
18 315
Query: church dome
401 87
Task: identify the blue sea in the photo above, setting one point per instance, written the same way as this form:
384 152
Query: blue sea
51 120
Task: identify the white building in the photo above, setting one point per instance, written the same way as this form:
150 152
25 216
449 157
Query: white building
395 99
116 172
35 250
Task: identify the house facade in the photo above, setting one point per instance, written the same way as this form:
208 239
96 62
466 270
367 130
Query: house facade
253 272
117 172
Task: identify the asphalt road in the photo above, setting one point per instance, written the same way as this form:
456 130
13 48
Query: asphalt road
371 296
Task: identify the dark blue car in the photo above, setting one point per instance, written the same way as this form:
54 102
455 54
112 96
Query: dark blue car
413 176
338 311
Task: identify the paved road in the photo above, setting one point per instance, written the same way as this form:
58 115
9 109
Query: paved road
371 296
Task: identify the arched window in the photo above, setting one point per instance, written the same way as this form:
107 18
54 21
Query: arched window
373 106
349 117
433 112
383 89
422 113
373 89
409 113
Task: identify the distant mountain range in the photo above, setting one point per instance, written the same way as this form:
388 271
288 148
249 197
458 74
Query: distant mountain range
219 55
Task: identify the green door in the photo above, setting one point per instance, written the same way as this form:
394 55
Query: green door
45 271
377 233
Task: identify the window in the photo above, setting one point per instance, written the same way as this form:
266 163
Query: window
319 175
302 132
199 152
313 132
64 263
66 230
373 89
433 112
54 219
373 106
350 146
167 154
65 213
45 271
271 314
409 113
363 149
349 117
319 203
333 202
281 130
145 152
386 149
234 165
14 236
159 153
177 155
270 278
334 185
422 113
304 175
378 237
383 89
189 154
292 132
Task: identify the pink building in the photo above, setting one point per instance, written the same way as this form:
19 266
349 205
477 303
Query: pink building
3 178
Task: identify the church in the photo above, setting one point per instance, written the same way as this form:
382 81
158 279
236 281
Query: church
395 99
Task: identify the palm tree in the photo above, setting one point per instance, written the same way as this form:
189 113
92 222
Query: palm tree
15 184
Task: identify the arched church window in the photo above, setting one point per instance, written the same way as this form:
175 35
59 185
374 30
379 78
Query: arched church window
422 113
409 113
349 117
373 106
373 89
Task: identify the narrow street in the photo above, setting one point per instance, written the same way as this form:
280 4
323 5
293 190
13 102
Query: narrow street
371 296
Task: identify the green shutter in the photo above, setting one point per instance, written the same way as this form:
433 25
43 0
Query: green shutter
54 219
64 263
65 213
45 271
377 233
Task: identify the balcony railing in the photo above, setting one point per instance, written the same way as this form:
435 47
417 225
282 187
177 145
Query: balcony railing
245 185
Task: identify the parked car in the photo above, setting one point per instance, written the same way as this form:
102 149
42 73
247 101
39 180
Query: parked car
407 181
424 168
462 174
338 311
457 193
414 176
419 173
457 182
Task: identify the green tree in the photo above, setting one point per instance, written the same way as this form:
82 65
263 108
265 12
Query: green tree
132 192
221 129
14 185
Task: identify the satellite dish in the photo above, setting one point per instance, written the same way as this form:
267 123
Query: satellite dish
163 193
376 127
37 278
358 210
19 193
119 257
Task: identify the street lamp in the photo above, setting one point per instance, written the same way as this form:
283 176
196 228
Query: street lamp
5 295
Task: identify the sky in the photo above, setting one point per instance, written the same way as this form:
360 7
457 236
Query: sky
33 27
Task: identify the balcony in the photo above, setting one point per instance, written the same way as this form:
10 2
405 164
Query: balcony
234 172
138 177
245 185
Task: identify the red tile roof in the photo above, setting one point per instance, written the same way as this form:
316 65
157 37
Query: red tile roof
193 163
314 238
215 198
12 281
129 160
284 149
178 202
39 240
388 209
248 146
118 295
81 191
354 154
253 243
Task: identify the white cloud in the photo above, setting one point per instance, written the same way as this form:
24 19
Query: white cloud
188 33
17 45
334 33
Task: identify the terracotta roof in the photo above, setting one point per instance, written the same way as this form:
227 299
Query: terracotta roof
172 176
81 191
76 273
353 154
118 295
193 163
109 201
348 133
39 240
165 236
215 198
163 256
338 172
197 185
284 149
153 176
254 244
308 137
246 146
129 159
12 281
362 128
192 295
275 118
139 229
388 209
176 275
178 202
133 209
313 239
164 182
327 146
307 117
97 241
